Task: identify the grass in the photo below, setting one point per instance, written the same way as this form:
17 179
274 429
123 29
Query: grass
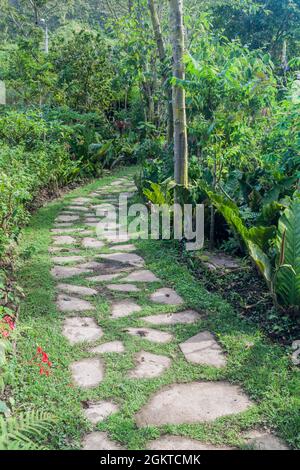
263 369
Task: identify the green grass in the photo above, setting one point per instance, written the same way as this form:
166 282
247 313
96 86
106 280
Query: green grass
263 370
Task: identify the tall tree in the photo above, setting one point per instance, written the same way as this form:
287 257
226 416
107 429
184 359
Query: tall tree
179 109
163 58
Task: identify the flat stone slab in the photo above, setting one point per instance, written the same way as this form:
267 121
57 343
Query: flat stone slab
63 225
104 277
87 373
149 365
66 303
64 240
67 218
128 258
193 403
65 272
219 261
264 440
81 329
123 287
61 249
181 443
67 259
81 200
88 242
110 347
77 209
112 237
186 317
79 290
166 296
203 349
155 336
87 232
99 441
92 220
124 308
128 247
141 276
97 412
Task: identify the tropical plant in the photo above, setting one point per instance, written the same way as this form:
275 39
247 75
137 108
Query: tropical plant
26 431
287 284
281 275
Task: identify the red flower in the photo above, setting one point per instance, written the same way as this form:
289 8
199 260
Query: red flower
42 361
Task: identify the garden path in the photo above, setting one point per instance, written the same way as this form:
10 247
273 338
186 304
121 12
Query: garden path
91 271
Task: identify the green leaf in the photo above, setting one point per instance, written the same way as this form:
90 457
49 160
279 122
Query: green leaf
288 276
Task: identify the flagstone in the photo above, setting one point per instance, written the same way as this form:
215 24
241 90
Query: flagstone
123 287
93 220
141 276
67 259
79 290
156 336
89 242
63 225
104 277
264 440
76 209
87 232
66 303
67 218
186 317
99 441
166 296
169 442
61 249
87 373
203 349
128 258
193 402
124 308
112 237
91 265
149 365
65 272
99 411
81 329
64 240
110 347
81 200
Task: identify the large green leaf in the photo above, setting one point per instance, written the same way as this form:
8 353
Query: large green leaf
262 235
262 262
288 277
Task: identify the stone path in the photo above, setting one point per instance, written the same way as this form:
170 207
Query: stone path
116 276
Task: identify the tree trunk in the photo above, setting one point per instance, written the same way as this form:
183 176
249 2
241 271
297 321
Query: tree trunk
130 5
179 110
162 56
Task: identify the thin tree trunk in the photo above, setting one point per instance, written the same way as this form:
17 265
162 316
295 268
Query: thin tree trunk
162 56
179 110
130 5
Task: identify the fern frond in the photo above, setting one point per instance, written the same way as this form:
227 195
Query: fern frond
22 431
